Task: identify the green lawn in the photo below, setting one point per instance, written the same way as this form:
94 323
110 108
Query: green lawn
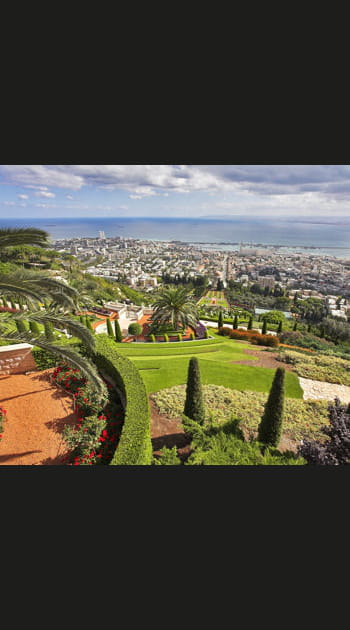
165 365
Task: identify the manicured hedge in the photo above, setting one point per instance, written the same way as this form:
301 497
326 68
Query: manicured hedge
135 447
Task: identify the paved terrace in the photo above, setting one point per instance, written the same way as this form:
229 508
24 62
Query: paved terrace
36 414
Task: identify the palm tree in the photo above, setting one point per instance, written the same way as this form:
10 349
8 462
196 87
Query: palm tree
174 306
34 288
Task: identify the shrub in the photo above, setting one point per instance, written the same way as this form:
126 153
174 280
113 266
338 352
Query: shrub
20 325
118 332
206 334
44 360
166 338
336 450
194 406
168 457
109 328
34 327
224 331
270 427
89 324
179 336
192 336
135 447
49 331
135 329
319 367
152 338
264 327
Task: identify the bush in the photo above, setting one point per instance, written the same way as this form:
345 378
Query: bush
166 338
34 327
21 325
49 331
206 334
179 336
255 338
336 450
192 336
44 360
168 457
224 331
135 447
194 406
109 328
270 427
152 338
135 329
319 367
118 332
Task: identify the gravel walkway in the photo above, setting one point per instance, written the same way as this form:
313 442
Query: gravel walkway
318 390
36 414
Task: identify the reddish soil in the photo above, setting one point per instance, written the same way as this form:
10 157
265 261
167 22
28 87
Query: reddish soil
265 359
36 414
167 432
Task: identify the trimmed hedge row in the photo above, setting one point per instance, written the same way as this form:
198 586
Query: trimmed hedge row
250 335
135 447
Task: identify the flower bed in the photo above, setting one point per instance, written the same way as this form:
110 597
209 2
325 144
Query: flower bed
250 335
95 438
3 414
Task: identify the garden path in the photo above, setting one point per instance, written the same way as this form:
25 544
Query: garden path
36 414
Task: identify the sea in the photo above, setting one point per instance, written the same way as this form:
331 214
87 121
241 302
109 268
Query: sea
317 236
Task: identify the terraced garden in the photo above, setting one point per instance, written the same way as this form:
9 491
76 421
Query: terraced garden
165 365
214 298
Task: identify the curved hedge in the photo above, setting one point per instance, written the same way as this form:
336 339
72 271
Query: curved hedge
135 447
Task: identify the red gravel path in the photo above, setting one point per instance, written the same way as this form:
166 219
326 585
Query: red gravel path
36 414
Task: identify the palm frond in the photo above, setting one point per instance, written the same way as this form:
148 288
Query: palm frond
74 327
65 353
10 237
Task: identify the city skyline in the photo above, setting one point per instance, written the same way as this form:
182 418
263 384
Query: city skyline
181 191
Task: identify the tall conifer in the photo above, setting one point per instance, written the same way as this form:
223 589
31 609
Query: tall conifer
194 405
270 427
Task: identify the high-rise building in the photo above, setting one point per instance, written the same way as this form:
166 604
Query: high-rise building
101 234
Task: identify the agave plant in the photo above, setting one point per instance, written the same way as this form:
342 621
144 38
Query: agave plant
35 288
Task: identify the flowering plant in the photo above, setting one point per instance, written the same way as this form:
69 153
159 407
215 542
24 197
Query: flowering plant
95 437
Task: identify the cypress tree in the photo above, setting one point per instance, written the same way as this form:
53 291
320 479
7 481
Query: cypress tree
295 327
89 324
280 328
264 327
194 405
118 332
20 325
250 323
109 328
220 320
322 332
235 322
309 328
49 334
34 328
270 427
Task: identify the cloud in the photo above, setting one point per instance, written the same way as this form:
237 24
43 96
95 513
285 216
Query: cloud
23 196
142 181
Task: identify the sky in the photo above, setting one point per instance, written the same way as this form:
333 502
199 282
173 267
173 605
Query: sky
190 191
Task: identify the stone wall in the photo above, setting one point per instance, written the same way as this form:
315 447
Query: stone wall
16 359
